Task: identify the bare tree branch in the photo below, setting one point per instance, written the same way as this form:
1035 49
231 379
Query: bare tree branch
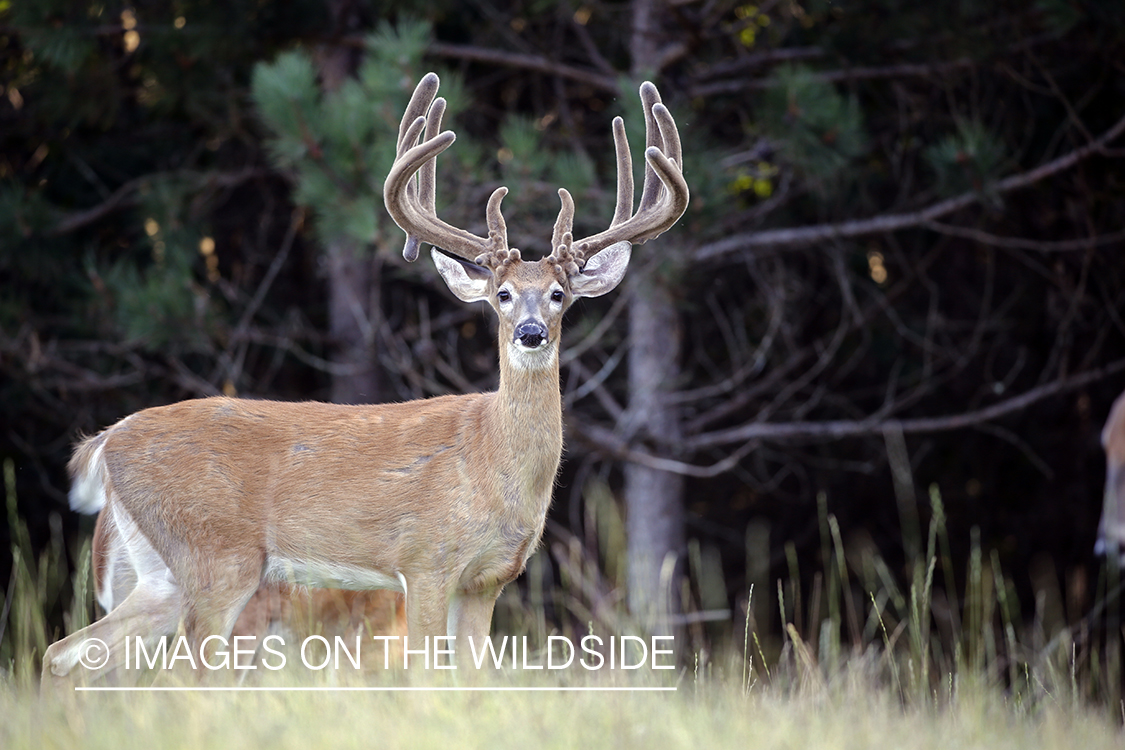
125 197
1018 243
835 429
904 70
122 197
232 365
752 435
740 65
616 446
525 62
801 236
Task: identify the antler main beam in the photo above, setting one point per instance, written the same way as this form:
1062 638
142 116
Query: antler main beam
664 195
409 188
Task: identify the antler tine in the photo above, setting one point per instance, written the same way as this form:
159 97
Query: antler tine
497 229
664 194
650 98
668 161
624 208
413 118
563 255
419 104
410 201
427 175
564 225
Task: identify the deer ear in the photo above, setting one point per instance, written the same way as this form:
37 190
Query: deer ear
466 280
603 271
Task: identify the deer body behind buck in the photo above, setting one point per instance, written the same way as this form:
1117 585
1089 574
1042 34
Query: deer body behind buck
442 499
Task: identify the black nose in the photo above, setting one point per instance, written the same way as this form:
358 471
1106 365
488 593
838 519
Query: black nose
531 334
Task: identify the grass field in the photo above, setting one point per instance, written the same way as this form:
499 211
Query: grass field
863 661
710 712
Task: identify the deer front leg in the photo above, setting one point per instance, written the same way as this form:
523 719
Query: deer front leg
470 617
427 609
213 600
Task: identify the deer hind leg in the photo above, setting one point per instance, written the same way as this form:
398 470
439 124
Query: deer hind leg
143 597
150 611
114 576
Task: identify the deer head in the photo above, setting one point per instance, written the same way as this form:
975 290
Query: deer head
531 297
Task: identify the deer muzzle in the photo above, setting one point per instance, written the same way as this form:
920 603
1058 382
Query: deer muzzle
531 334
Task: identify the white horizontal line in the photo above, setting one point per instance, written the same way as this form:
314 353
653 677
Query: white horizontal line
375 689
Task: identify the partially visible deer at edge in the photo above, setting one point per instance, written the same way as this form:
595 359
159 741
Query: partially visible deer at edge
442 499
1111 529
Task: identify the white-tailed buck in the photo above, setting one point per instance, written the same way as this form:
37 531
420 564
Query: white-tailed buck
1111 530
442 499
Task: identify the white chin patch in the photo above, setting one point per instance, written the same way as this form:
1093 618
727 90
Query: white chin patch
531 358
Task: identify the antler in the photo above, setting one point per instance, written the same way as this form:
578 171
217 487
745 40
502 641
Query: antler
409 189
663 202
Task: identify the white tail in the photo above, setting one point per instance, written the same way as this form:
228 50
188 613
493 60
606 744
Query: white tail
1111 529
442 499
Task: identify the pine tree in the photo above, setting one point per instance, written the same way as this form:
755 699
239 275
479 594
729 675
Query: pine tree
338 144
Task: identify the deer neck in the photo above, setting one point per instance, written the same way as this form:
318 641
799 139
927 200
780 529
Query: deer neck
529 417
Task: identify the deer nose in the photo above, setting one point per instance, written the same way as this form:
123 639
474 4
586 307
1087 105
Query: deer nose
531 333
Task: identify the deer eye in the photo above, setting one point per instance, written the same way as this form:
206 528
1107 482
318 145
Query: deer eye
557 296
503 295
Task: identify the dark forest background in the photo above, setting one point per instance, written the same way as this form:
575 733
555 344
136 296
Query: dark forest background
897 294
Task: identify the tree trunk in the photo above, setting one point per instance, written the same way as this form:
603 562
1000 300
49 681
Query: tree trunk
653 498
352 274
